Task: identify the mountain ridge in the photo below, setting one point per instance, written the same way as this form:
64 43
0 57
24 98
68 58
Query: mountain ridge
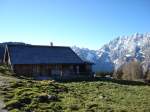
118 51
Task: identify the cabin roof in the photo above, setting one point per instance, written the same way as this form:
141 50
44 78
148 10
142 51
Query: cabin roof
29 54
2 50
88 62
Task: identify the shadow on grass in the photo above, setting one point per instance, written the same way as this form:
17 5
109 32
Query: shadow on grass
92 79
122 82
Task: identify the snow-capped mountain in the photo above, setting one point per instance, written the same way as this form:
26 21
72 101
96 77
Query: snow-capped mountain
102 63
118 52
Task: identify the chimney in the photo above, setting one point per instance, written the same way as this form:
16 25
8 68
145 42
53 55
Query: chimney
51 44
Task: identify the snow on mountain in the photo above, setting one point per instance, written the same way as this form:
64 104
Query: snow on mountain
118 52
100 63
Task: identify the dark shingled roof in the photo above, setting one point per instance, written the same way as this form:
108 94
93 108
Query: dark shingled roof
25 54
2 50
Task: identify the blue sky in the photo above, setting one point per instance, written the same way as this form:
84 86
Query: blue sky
84 23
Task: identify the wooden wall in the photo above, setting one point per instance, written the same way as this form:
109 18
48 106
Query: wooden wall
50 70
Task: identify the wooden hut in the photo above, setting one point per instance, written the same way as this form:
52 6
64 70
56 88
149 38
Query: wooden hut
52 61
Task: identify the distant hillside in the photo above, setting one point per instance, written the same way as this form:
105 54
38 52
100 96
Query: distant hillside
12 43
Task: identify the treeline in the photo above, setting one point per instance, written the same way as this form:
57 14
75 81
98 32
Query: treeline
132 71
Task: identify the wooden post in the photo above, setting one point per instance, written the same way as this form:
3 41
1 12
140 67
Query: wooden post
61 74
77 67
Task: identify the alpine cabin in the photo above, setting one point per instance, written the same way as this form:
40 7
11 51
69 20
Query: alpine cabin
48 61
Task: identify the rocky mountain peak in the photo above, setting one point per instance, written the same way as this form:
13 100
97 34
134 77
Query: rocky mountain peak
118 51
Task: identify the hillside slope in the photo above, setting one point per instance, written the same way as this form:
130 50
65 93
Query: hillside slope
22 95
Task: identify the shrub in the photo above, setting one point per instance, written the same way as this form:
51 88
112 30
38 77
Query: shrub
118 73
147 79
130 71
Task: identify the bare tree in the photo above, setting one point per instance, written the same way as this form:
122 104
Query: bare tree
147 76
130 71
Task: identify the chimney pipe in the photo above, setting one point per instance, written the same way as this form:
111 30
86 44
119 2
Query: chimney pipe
51 44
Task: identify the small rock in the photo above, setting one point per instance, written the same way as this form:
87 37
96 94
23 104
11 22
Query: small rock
101 97
46 98
61 90
52 97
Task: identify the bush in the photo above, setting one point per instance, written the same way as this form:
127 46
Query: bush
118 73
147 79
130 71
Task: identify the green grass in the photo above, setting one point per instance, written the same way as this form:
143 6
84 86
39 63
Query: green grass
80 97
99 96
